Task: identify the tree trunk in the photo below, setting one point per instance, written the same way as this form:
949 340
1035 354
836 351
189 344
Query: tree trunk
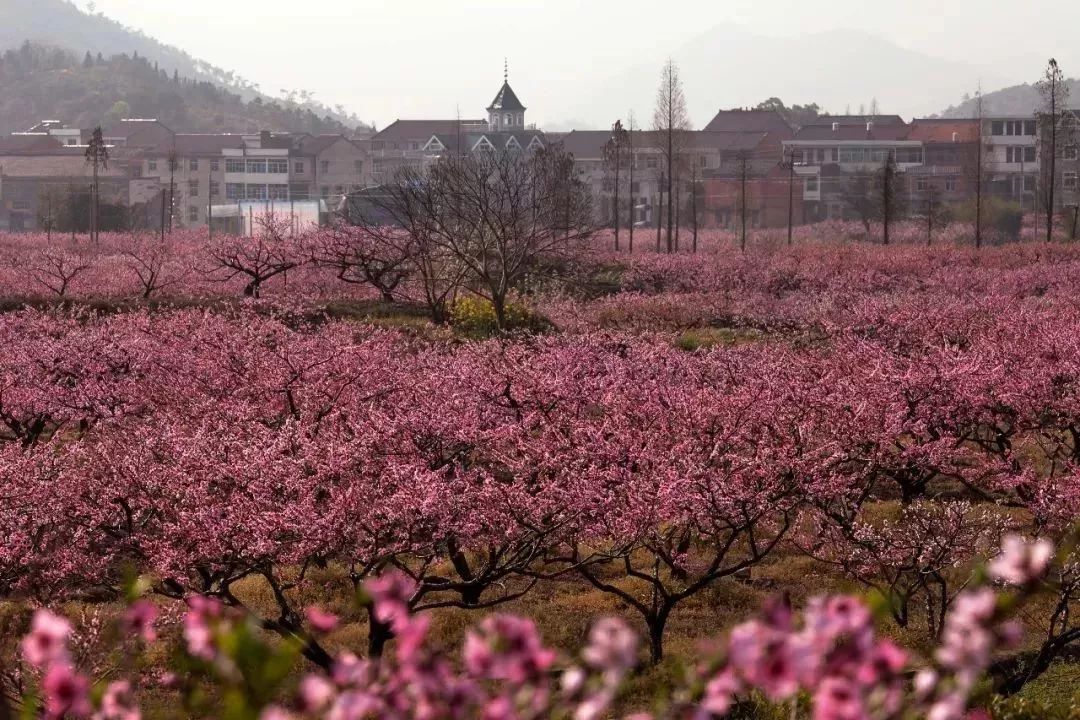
617 200
378 635
657 623
660 212
676 204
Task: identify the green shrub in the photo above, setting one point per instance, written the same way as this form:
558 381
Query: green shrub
1001 216
475 316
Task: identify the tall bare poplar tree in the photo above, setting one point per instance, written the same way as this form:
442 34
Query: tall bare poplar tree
97 154
671 123
632 213
1054 128
978 166
615 159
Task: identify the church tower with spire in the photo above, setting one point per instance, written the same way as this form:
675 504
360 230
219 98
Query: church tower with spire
506 113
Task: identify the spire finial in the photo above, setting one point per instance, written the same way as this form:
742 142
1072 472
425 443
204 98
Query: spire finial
506 69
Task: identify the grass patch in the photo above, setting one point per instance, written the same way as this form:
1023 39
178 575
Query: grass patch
705 338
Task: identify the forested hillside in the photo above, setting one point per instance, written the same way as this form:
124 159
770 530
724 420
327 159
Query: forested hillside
1016 100
204 95
46 82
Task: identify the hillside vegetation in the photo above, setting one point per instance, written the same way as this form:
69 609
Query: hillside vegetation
47 82
1016 100
60 24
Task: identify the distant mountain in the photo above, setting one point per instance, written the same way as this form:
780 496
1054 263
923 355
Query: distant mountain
1016 100
60 24
841 70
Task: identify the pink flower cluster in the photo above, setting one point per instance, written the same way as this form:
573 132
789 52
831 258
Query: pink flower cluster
830 651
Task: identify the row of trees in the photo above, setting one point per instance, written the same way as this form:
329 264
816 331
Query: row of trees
881 196
212 452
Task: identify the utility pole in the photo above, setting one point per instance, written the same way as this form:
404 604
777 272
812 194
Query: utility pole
693 203
930 191
743 170
886 196
209 203
791 195
630 181
660 211
163 215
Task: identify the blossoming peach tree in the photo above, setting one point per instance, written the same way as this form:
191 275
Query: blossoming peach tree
829 652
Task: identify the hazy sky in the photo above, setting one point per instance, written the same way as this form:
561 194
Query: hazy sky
386 59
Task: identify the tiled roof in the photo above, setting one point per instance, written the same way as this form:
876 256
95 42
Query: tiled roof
317 144
142 133
27 143
859 119
506 100
853 131
589 144
935 130
499 139
69 165
750 121
190 144
422 130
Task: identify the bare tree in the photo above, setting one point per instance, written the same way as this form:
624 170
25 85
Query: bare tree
55 269
173 166
935 213
490 219
267 253
631 161
888 195
1055 127
671 123
97 154
694 203
150 262
977 161
742 169
362 257
614 158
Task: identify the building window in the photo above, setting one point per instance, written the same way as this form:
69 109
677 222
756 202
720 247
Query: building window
215 165
234 191
703 161
193 164
920 184
151 165
1029 128
234 166
193 188
277 167
1070 152
1029 154
325 191
279 192
359 165
651 162
193 213
298 167
256 192
324 166
909 155
997 127
1068 181
256 166
811 183
215 188
950 184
